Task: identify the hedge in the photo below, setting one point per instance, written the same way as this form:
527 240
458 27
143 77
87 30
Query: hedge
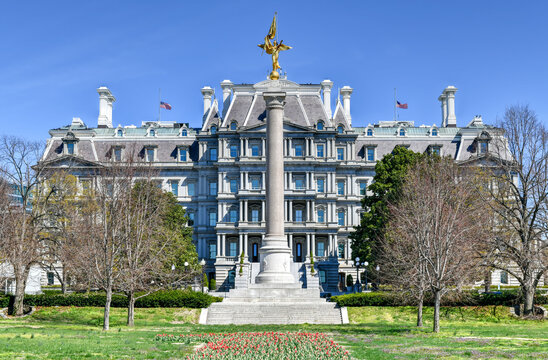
167 298
468 298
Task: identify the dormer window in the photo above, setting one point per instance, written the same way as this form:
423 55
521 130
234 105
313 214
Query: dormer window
149 154
434 132
213 130
70 148
340 129
120 133
69 144
183 154
184 132
369 132
483 142
402 132
117 154
320 125
483 147
233 125
152 132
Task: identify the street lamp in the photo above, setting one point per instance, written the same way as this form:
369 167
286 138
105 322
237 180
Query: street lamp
365 263
203 262
357 263
172 275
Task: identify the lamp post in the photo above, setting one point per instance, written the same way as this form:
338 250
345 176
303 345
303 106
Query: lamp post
172 274
357 263
365 263
203 262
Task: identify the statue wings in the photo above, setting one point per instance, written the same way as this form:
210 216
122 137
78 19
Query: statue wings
282 47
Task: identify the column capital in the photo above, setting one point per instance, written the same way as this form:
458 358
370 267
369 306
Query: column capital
274 100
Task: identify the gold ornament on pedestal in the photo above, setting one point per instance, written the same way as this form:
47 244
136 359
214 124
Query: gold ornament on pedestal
273 48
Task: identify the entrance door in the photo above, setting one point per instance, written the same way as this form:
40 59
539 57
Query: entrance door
255 253
299 252
342 282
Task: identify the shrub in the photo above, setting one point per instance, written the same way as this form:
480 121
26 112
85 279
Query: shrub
167 298
349 280
213 285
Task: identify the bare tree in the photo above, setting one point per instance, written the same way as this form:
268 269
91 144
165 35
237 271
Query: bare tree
439 221
22 222
518 195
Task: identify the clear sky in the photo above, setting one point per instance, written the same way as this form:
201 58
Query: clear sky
55 54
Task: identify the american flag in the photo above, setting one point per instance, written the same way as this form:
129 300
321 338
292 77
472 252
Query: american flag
400 105
165 105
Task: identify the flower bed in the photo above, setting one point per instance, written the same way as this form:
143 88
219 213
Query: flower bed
257 346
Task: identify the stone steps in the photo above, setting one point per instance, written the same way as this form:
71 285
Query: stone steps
246 312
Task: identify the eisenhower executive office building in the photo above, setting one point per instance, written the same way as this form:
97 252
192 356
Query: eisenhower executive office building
217 171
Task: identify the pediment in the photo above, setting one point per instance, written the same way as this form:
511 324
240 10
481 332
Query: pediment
70 161
288 126
484 160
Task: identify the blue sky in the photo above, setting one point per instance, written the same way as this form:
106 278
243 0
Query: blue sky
55 54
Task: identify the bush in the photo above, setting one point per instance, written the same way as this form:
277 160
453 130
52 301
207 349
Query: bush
212 285
167 298
349 280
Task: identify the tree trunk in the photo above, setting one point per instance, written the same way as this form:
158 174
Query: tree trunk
106 320
419 310
487 281
131 309
20 284
528 298
64 282
437 296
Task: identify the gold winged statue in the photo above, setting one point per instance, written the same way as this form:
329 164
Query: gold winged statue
273 48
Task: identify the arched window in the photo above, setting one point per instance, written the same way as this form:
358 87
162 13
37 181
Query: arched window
184 132
233 125
120 133
402 132
340 129
213 130
369 132
152 132
434 132
320 125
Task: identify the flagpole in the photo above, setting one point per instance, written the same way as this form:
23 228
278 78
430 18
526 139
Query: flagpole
159 101
395 107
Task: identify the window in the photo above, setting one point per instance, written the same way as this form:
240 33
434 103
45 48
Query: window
70 148
174 187
117 154
255 183
320 185
323 279
370 154
120 133
340 129
254 215
184 132
340 251
298 215
319 150
434 132
340 153
150 154
321 215
212 188
233 186
182 154
320 125
86 184
363 188
483 147
51 278
212 251
299 183
232 248
255 150
402 132
190 218
233 125
191 189
435 150
213 154
233 215
255 253
212 218
213 130
152 132
233 151
298 150
320 248
340 216
503 277
340 187
369 132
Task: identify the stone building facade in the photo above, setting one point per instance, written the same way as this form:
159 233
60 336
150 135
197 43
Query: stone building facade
218 171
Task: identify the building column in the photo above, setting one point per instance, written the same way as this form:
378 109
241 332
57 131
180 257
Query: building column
224 244
307 254
246 244
290 239
241 217
290 210
218 245
307 181
240 244
246 179
335 246
263 182
263 215
313 248
245 211
263 143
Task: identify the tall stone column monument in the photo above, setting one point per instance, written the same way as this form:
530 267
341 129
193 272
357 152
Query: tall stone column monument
275 254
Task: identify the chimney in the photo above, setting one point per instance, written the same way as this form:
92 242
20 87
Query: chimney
226 85
346 91
326 88
207 93
105 107
443 100
449 92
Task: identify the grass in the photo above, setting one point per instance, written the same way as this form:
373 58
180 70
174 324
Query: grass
374 333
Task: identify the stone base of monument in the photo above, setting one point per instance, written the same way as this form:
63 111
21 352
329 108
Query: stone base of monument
275 304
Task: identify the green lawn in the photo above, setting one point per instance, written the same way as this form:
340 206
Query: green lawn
374 333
